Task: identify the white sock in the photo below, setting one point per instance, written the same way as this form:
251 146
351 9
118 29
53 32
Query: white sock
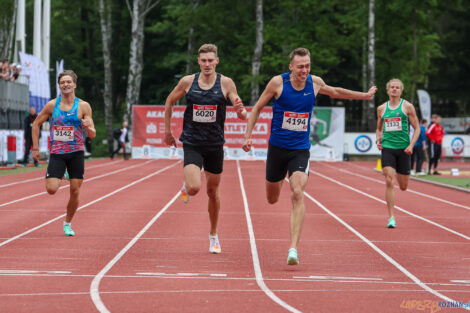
67 224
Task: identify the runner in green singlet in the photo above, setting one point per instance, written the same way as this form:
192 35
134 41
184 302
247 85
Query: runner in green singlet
393 125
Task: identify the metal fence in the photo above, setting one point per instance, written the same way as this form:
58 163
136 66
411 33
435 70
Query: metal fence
14 103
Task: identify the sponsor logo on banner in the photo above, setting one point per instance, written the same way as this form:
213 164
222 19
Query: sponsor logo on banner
457 145
363 143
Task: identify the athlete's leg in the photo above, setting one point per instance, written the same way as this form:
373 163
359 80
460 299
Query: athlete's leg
389 173
74 199
213 182
403 181
298 181
273 190
52 185
192 179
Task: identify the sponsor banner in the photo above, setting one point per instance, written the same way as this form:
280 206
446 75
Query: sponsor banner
19 134
455 124
327 134
148 131
456 146
424 104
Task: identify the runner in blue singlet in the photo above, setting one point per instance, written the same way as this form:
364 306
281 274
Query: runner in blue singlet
288 152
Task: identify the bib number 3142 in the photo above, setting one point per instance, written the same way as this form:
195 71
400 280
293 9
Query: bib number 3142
295 121
204 113
63 133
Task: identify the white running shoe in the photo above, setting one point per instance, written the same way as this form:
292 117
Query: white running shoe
214 246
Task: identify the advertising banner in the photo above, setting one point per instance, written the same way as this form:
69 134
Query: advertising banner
38 79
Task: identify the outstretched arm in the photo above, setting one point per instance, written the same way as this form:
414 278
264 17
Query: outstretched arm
338 92
176 94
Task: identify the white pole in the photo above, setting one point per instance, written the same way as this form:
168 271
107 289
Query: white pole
37 29
20 29
46 32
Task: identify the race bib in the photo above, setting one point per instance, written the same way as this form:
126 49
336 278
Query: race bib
63 133
393 124
295 121
204 113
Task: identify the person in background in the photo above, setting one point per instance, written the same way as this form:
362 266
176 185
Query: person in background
120 134
28 136
419 149
435 134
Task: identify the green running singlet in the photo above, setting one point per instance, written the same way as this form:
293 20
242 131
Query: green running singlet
395 128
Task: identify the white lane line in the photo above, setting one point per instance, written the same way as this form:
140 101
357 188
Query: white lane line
32 272
88 204
380 252
410 190
95 284
183 274
337 277
68 185
254 251
42 177
396 207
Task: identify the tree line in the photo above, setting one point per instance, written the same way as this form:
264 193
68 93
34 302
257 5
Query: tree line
134 51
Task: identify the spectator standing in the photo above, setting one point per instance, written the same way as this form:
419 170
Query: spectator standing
28 138
435 134
419 149
120 134
5 70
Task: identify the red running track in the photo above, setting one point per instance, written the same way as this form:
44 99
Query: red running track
139 248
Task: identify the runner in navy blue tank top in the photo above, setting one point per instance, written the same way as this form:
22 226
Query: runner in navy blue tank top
289 145
203 130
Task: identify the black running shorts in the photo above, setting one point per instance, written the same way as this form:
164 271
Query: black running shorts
209 157
281 161
74 163
398 159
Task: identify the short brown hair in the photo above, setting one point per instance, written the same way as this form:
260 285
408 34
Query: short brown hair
394 80
68 73
300 52
207 47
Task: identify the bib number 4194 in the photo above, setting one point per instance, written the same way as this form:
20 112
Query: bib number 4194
295 121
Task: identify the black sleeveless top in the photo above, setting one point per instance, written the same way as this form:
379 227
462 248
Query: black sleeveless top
204 117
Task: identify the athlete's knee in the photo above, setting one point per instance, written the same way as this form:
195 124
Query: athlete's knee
212 193
192 189
403 185
297 194
272 198
51 189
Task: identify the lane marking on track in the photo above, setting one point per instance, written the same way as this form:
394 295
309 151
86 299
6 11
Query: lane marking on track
88 204
380 252
95 284
410 190
337 277
183 274
396 207
32 272
42 177
68 185
254 250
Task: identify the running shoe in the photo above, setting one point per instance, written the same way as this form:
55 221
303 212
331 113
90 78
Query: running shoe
391 223
68 230
184 194
66 175
214 246
292 258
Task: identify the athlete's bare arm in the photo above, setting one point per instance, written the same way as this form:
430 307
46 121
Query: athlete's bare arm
413 119
379 130
43 116
338 92
179 91
272 90
87 119
230 91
